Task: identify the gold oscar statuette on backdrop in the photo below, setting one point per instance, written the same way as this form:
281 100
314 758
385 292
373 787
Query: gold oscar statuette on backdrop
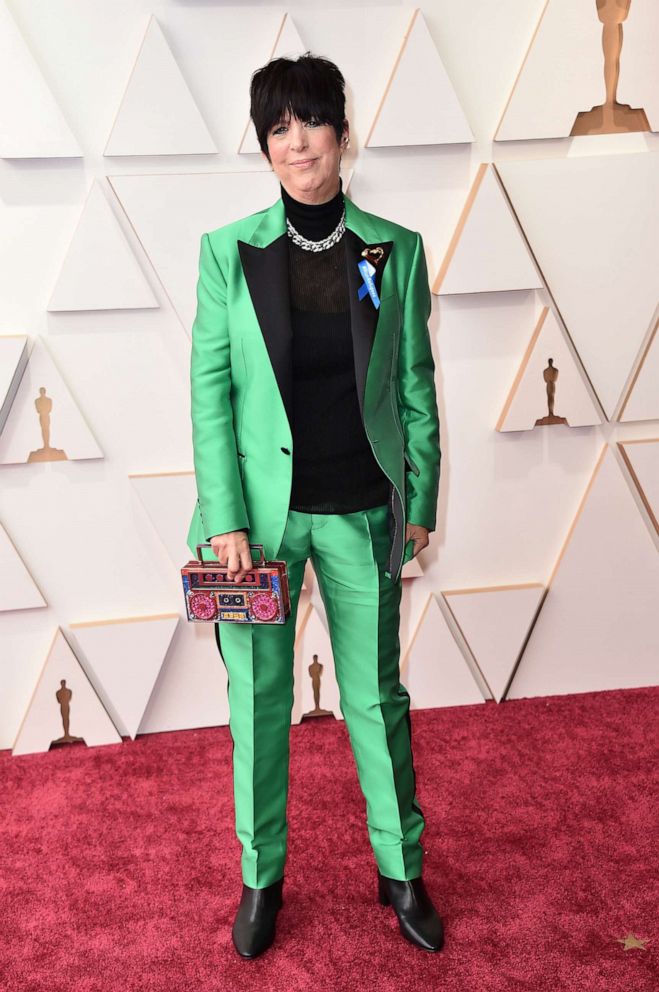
611 117
550 375
63 697
315 671
44 405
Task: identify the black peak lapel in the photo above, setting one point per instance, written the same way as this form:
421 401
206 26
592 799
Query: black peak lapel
267 277
363 313
266 271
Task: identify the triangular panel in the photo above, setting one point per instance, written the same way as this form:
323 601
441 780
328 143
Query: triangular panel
561 87
597 629
63 702
191 690
593 222
419 106
100 271
487 252
167 498
495 623
45 423
158 114
433 669
125 657
31 122
549 388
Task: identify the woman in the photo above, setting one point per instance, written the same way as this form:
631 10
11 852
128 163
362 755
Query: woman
316 434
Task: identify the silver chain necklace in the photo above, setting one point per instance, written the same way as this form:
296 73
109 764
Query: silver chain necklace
327 242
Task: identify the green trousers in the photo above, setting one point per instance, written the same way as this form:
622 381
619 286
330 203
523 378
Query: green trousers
349 556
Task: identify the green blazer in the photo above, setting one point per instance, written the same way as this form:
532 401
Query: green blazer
241 377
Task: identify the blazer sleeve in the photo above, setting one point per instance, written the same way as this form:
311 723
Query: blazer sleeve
418 398
219 488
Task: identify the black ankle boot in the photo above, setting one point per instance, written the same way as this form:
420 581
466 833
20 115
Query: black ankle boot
418 919
254 926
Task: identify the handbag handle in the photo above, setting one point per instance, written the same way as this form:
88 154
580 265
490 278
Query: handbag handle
260 561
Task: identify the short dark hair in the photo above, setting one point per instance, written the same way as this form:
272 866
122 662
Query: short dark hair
310 87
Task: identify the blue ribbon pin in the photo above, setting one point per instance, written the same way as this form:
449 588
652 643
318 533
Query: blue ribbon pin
368 286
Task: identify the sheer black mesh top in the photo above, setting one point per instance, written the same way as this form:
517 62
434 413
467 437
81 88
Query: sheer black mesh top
334 469
319 280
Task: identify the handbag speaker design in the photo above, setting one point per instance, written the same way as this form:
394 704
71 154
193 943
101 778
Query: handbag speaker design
211 596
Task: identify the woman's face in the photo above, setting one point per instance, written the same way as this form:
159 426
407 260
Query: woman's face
305 156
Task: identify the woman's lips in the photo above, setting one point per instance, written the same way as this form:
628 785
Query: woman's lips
303 162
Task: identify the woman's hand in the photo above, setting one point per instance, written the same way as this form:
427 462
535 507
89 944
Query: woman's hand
232 550
418 534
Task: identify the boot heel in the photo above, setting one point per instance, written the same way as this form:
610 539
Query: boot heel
382 892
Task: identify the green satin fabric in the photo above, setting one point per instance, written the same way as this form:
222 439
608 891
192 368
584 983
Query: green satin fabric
242 442
349 554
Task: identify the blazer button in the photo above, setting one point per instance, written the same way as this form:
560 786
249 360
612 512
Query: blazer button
286 451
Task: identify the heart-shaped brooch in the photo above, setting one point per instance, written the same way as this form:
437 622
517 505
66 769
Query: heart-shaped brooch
374 255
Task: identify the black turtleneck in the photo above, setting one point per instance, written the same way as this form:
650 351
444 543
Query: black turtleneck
314 220
334 469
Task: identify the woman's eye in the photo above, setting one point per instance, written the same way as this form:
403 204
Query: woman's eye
314 123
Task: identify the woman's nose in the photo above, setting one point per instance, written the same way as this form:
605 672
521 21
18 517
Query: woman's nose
298 138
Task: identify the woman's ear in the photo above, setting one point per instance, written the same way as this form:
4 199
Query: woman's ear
345 134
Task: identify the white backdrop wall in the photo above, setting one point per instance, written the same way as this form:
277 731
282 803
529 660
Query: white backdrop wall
103 538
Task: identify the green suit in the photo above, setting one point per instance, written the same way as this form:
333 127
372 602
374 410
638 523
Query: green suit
241 398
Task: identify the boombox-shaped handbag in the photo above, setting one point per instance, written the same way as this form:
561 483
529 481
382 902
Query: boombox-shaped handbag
261 596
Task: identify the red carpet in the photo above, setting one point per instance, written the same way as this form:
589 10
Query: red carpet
120 867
